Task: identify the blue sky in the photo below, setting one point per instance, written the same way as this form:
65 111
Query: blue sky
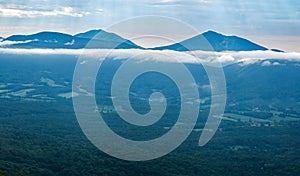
273 23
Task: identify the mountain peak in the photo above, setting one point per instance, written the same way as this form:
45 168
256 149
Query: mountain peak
89 34
214 41
210 32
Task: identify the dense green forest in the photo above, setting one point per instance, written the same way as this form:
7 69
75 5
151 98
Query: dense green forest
41 138
40 135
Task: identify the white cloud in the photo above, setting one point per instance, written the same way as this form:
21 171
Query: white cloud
268 58
225 58
177 2
245 57
276 63
99 10
70 43
40 51
266 63
269 63
8 42
16 11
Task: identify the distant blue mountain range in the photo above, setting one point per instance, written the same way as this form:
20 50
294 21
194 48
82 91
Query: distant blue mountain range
55 40
213 41
105 40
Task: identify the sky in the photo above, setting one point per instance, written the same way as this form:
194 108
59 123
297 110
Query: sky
271 23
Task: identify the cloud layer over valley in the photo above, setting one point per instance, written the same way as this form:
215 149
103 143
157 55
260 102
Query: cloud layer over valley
198 57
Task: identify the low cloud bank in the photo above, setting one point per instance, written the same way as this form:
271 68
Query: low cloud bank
242 57
7 42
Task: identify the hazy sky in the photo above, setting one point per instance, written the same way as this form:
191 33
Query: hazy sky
272 23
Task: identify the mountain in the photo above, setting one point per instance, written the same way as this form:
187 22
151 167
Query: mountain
106 40
270 85
103 35
90 34
45 40
55 40
217 41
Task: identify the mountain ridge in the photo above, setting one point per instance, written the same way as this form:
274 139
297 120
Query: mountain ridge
56 40
100 39
214 41
99 34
